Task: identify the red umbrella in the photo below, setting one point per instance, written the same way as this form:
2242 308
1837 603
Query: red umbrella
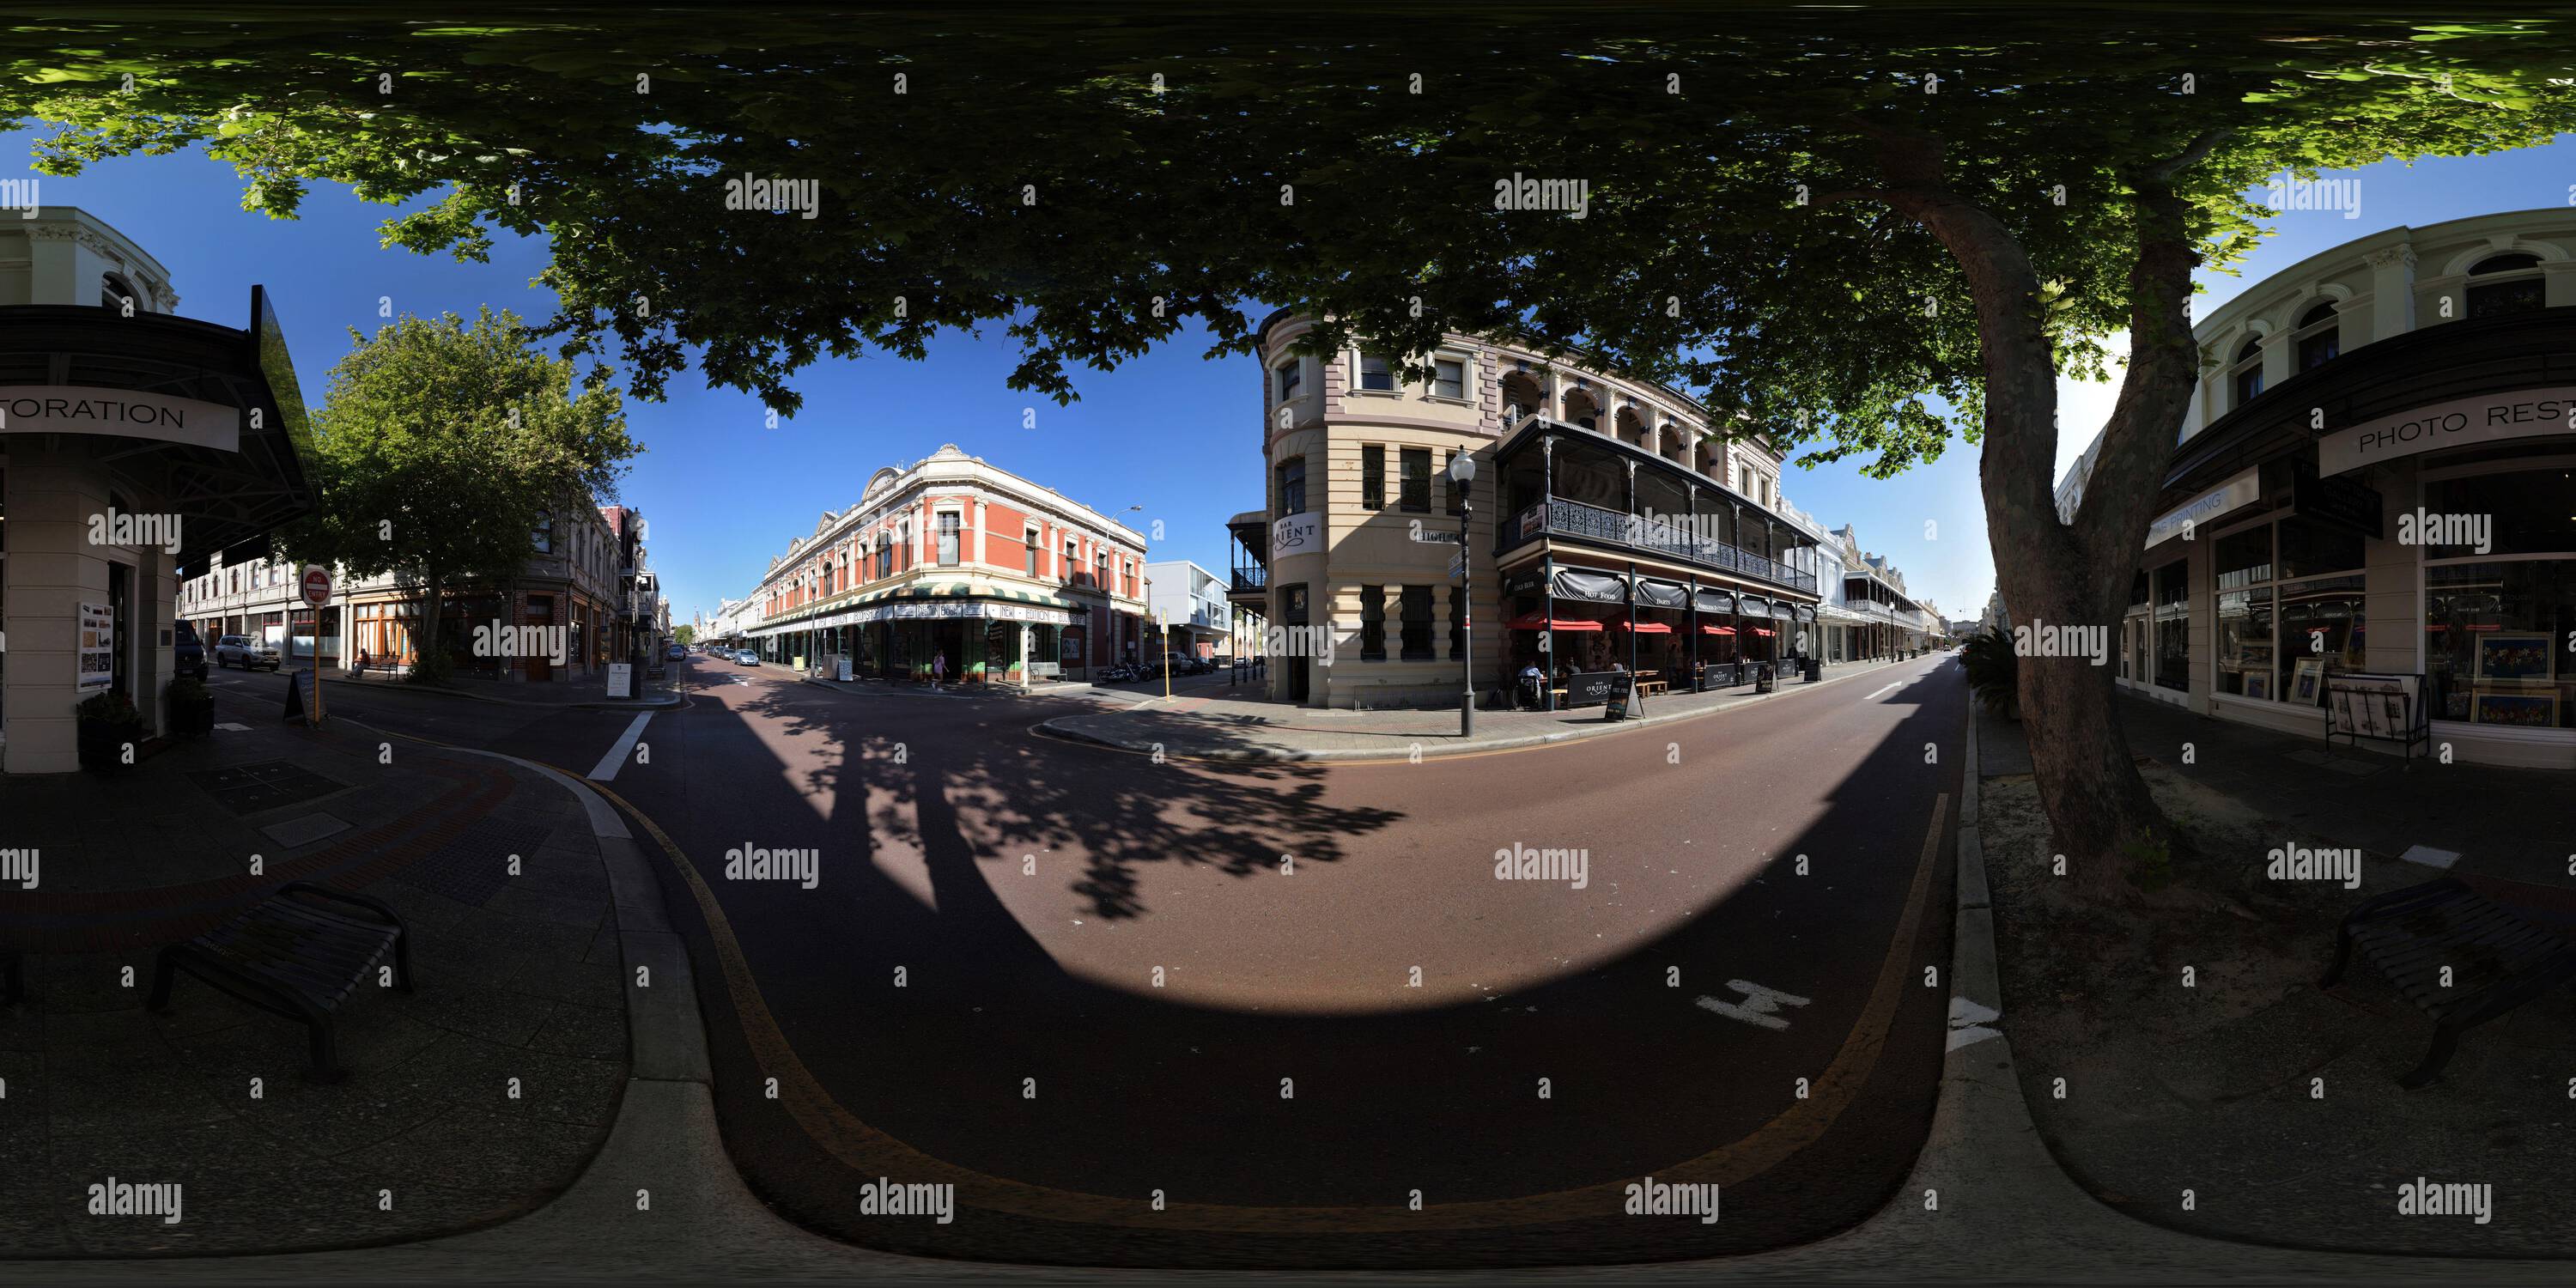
1648 628
1534 622
1717 630
1759 631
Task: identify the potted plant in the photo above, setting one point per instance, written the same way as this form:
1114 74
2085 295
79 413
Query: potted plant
192 707
108 725
1994 672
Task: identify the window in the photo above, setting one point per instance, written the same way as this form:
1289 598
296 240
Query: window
1372 623
114 292
903 546
1292 486
1373 477
2318 347
1417 623
2309 548
2244 558
544 536
1291 374
2248 377
1100 570
2173 625
1030 539
949 539
1417 480
2245 661
1457 621
2496 637
1448 378
885 557
1072 559
2520 512
1375 374
2520 291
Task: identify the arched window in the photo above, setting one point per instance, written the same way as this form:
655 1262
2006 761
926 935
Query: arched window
2512 285
116 293
2248 377
2319 336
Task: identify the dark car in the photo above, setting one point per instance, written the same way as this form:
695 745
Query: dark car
190 656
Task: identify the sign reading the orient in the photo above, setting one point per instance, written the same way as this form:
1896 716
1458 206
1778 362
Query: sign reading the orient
122 413
2487 418
1297 534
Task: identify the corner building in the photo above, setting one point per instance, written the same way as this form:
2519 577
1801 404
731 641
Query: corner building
2414 372
1607 528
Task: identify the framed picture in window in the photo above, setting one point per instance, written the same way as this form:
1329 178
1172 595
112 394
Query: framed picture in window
2520 710
2258 684
2307 681
2517 657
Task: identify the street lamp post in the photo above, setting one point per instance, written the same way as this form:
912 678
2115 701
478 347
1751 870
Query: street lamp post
1462 471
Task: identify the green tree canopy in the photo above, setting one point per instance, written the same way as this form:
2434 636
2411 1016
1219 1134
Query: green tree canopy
444 447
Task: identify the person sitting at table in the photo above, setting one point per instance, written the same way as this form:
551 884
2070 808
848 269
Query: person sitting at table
1533 684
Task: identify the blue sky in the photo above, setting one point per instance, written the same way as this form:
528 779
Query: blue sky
1168 431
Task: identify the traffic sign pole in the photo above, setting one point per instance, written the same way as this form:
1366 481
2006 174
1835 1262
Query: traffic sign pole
317 593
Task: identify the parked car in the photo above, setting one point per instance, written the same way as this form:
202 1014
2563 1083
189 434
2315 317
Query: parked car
1180 663
190 656
679 653
747 658
238 650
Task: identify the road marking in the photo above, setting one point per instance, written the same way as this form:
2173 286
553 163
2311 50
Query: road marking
609 764
1760 1005
1968 1022
1898 685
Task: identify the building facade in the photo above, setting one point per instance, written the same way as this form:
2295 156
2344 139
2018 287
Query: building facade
1607 529
1189 603
952 559
135 446
2375 490
570 582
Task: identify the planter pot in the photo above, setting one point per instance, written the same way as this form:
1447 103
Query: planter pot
192 719
102 744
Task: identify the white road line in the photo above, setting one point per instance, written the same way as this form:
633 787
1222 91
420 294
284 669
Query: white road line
1898 685
606 771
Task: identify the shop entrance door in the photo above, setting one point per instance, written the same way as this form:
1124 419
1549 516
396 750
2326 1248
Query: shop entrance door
541 614
1301 674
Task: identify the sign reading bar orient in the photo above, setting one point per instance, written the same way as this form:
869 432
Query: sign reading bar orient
2487 418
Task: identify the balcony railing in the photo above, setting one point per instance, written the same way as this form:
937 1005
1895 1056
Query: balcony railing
1563 518
1250 580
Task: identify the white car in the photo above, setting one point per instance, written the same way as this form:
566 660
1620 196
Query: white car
238 650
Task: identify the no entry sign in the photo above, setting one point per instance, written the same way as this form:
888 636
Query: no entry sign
317 585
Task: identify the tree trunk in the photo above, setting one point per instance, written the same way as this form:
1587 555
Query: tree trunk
2055 573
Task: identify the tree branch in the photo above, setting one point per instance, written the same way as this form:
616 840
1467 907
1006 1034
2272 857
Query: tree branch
2193 154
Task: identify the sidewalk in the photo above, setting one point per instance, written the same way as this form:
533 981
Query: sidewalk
2274 1101
516 977
664 692
1220 728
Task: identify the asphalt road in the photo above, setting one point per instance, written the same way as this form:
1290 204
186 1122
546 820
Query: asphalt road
1070 980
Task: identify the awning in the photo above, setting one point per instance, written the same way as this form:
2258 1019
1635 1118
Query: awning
1646 628
1662 594
1717 630
1780 609
1760 631
1752 606
1713 601
1599 587
1534 622
1805 614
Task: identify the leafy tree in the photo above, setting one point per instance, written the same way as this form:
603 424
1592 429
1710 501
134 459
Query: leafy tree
443 447
1852 236
685 633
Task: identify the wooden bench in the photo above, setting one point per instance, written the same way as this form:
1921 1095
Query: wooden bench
2497 960
1645 687
293 960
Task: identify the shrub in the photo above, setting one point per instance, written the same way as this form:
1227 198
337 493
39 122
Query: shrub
2152 860
188 688
1994 670
110 707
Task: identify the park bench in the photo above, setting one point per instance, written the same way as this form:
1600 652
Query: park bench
2497 960
293 959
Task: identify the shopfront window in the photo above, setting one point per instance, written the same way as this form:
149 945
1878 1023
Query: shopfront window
2245 664
2512 512
2309 548
2173 625
2496 642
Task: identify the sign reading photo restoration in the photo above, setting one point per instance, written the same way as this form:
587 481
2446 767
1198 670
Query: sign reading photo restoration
2461 422
122 413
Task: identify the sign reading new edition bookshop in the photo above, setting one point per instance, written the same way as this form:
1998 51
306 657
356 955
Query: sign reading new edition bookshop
2461 422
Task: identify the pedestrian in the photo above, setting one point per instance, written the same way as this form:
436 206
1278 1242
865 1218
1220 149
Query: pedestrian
938 669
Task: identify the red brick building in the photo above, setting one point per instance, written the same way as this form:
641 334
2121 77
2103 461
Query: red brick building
952 559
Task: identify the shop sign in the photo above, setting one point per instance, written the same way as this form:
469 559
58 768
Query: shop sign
2487 418
621 679
1297 534
2236 493
118 413
968 610
97 648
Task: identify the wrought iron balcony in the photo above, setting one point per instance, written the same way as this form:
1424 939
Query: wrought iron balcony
1250 580
1558 517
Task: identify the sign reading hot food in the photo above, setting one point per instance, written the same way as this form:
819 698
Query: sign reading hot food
2487 418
